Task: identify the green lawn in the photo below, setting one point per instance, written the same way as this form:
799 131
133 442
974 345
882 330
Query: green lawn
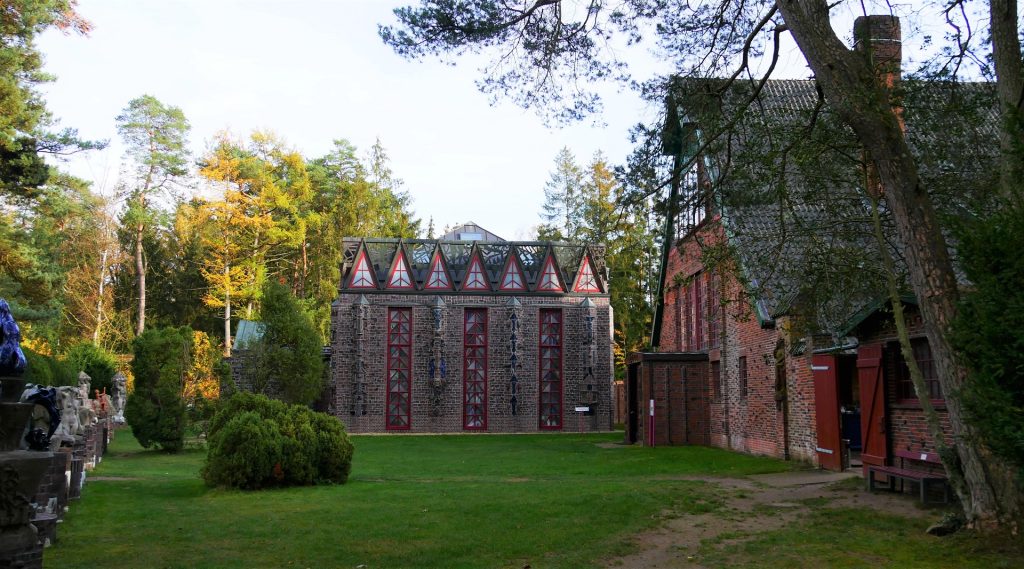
418 501
864 539
472 501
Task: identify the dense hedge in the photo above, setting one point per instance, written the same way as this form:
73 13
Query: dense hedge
99 364
47 370
257 442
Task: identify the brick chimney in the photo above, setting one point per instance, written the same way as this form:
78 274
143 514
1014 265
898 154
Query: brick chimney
878 37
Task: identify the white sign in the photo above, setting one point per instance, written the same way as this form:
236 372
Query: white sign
652 408
582 409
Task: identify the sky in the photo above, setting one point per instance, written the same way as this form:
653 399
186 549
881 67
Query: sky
315 71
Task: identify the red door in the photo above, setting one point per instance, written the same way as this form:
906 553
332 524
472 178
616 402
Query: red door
826 412
872 400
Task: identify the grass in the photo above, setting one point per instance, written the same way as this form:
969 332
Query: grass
861 538
424 501
474 501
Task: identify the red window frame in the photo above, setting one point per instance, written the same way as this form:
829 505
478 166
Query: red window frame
398 407
474 369
512 268
362 271
586 281
550 391
549 279
400 265
438 269
476 276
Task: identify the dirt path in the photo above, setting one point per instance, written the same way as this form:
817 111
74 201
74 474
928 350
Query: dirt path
756 504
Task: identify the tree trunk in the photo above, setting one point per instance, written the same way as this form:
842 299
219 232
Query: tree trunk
850 86
227 311
140 273
99 301
1006 57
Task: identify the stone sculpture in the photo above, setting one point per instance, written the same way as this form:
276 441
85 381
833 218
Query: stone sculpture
12 360
20 470
84 381
119 397
70 424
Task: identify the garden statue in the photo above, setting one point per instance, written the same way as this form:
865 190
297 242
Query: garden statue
83 385
70 424
119 397
45 415
12 359
20 470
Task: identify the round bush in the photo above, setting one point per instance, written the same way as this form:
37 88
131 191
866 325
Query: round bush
298 446
245 452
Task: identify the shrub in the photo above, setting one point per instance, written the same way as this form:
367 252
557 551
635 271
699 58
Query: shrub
989 332
289 353
256 442
155 409
244 452
47 370
99 364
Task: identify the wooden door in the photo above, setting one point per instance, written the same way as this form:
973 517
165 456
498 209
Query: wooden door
873 416
632 403
826 412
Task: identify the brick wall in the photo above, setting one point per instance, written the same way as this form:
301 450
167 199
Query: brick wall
750 416
448 415
906 428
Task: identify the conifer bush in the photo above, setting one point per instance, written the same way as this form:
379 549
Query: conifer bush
257 442
155 409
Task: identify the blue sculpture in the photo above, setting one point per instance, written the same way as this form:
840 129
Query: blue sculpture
12 360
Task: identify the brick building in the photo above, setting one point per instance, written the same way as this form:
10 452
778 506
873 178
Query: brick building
470 333
770 336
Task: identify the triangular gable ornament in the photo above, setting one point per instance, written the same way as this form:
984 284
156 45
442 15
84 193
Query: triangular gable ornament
437 276
549 281
400 277
363 275
476 278
512 277
586 279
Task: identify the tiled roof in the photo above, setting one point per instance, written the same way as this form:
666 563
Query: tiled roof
802 232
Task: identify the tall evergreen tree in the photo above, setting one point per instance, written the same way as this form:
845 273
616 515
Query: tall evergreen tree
562 196
156 138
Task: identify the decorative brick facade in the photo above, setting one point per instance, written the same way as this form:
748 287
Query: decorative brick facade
363 361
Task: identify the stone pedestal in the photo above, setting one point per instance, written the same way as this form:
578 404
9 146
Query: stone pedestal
20 473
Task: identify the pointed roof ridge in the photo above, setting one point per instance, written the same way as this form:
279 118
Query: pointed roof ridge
438 258
362 274
476 279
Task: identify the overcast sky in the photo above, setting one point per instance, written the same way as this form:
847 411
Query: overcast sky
316 71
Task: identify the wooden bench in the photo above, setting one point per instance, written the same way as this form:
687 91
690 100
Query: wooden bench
923 478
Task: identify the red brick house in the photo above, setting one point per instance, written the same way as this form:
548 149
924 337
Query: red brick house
769 336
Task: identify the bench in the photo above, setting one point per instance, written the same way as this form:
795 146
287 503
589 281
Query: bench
922 477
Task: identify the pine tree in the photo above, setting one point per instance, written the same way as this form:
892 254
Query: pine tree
562 194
